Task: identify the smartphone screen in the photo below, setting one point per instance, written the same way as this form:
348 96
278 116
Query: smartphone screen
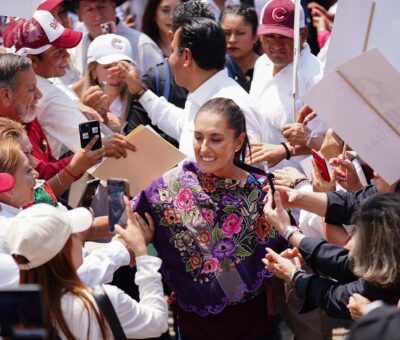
117 188
321 164
87 131
88 194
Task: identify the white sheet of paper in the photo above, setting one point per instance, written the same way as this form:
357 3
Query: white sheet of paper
153 157
354 120
19 8
350 29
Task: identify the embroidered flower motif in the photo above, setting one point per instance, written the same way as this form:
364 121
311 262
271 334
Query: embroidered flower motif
196 260
183 240
188 178
204 237
164 195
172 217
208 184
208 215
230 184
263 227
210 266
201 196
232 225
184 199
223 248
230 199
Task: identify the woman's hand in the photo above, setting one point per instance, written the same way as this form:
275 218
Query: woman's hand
319 184
277 216
95 98
137 232
344 172
85 158
287 176
279 265
270 153
357 305
289 197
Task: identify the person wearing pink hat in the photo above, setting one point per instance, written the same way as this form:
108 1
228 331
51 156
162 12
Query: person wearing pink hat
271 87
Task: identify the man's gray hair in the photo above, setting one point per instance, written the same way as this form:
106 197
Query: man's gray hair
10 65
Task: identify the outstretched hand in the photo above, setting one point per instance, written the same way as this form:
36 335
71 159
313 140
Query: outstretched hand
137 232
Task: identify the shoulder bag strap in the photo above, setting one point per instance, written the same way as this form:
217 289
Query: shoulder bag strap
108 311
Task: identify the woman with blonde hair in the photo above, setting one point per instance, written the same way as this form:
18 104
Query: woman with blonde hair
107 95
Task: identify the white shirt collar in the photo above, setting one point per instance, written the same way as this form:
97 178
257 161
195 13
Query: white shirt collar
7 211
205 90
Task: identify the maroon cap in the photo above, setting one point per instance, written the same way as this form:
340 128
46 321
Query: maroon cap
277 17
7 182
36 35
49 5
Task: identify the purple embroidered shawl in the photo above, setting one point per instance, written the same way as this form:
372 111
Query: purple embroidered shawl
210 234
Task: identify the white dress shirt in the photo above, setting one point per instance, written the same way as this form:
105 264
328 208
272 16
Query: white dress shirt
273 95
179 123
145 319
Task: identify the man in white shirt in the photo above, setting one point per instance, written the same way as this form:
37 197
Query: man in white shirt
271 86
44 41
197 61
93 13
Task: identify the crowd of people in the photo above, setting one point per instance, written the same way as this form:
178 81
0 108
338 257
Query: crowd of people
247 239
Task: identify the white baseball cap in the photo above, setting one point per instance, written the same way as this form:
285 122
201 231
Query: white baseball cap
109 48
41 231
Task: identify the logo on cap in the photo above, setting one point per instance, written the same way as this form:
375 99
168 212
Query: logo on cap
117 44
53 24
279 14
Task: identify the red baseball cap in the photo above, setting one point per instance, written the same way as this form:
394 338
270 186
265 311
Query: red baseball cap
7 182
49 5
38 34
277 17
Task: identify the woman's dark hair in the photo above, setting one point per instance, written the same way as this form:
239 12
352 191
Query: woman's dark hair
205 39
248 14
149 25
376 250
234 117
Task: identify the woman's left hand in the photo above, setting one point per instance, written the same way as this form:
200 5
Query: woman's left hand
357 305
279 265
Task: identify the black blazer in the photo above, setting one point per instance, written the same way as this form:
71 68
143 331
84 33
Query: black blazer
332 294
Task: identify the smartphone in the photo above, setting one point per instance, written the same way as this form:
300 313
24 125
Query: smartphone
22 305
117 188
87 131
108 27
88 194
321 164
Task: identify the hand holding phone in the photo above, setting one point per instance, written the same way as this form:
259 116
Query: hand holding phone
87 131
117 188
320 162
